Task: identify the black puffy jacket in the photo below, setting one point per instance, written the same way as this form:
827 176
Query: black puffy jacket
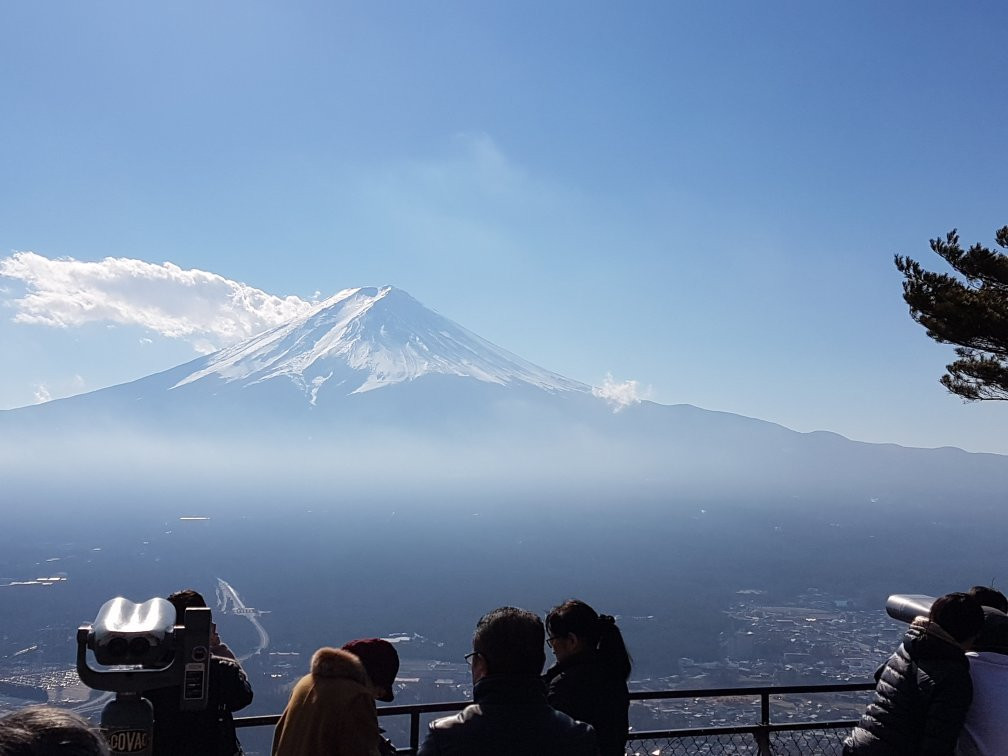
921 697
510 717
588 690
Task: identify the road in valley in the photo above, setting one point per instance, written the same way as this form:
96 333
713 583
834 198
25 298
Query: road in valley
225 595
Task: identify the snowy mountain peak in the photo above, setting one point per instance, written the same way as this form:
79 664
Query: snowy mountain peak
366 338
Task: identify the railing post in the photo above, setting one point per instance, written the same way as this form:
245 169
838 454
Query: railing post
414 731
763 733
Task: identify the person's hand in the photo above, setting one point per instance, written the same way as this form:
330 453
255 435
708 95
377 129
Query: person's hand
217 646
221 649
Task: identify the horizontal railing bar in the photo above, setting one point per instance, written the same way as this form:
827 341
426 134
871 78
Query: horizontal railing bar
650 695
688 732
833 724
428 708
261 720
637 695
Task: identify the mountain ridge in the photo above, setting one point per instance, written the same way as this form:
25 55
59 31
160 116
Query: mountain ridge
375 385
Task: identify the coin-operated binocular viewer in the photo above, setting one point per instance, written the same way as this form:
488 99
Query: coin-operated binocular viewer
141 648
906 607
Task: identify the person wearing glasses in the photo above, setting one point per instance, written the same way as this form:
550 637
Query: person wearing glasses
589 679
509 715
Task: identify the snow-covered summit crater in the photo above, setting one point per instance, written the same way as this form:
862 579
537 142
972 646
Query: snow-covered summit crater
367 338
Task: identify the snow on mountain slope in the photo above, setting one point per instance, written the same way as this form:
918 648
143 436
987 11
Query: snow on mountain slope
365 339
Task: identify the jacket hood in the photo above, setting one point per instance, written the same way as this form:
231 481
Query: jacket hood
335 662
926 640
994 635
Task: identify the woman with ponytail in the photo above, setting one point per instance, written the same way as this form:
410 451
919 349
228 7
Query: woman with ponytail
588 681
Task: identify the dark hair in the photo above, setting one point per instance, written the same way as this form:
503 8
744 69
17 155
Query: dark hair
598 631
47 731
184 599
958 614
989 597
510 640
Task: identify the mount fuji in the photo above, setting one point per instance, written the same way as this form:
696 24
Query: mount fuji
364 358
373 383
365 339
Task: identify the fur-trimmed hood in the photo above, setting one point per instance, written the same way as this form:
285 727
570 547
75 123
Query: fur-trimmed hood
331 710
337 663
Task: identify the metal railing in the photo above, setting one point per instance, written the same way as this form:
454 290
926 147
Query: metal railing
761 738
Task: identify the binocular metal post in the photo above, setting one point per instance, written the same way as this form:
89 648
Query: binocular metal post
127 724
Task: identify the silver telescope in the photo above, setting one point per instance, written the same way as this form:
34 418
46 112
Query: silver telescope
906 607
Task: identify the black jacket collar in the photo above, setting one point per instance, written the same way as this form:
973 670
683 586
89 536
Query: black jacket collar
588 656
509 689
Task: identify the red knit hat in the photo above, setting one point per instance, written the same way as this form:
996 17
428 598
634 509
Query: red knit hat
380 659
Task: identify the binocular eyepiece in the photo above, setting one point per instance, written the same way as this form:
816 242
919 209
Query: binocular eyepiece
146 649
135 634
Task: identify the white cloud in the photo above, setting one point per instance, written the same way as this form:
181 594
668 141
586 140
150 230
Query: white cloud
620 394
58 388
204 308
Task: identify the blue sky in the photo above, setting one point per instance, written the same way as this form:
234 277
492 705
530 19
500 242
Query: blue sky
701 197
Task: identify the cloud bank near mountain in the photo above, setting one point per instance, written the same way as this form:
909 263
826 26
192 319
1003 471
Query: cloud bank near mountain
206 309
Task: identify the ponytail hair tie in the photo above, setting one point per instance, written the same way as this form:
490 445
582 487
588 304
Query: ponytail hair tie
607 619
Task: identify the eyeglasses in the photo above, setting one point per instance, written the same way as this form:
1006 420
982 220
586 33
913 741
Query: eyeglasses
471 657
549 641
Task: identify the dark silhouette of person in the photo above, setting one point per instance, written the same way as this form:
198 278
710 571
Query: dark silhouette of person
381 662
509 715
924 690
985 731
210 732
994 635
589 679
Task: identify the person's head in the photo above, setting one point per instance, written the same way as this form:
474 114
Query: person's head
508 641
47 731
958 614
380 660
989 597
184 599
574 627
